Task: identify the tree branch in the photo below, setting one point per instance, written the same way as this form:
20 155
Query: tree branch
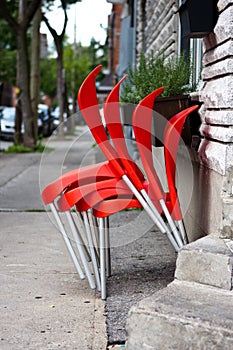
63 3
52 31
5 13
32 8
57 37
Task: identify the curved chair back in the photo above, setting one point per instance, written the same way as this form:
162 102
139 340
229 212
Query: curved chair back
142 125
172 135
88 105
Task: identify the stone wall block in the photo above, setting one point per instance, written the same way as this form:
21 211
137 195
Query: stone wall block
223 51
228 184
213 155
183 316
218 93
219 117
223 134
222 4
223 30
218 69
227 230
206 261
202 112
229 159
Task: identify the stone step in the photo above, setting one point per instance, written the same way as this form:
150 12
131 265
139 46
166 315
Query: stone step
207 261
183 316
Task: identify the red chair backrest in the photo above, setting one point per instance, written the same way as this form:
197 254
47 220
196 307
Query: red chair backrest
172 135
114 125
88 104
142 125
113 120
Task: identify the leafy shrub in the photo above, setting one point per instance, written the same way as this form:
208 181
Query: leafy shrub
40 148
153 72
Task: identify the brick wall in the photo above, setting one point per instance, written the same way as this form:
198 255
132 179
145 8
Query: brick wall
157 25
216 149
211 205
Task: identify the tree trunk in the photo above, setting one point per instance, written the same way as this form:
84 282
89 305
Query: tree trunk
70 118
25 100
18 137
27 11
58 40
35 69
60 90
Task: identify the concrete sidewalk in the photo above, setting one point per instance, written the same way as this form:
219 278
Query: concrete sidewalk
44 304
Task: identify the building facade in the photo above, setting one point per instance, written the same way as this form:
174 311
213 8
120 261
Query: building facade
148 25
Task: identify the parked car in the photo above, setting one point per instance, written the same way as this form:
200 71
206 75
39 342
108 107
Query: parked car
56 116
45 121
7 122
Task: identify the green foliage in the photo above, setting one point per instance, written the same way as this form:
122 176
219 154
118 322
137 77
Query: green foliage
17 149
40 148
98 55
79 61
48 76
154 72
7 36
8 53
8 66
77 66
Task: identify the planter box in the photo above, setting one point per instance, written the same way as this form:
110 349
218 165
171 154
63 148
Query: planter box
197 17
164 109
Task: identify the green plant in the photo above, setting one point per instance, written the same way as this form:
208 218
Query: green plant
18 149
153 72
40 148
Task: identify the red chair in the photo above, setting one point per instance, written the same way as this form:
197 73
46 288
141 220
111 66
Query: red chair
143 131
97 173
92 117
84 180
114 126
172 137
103 201
88 104
91 182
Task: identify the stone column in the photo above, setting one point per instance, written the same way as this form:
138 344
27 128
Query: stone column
216 148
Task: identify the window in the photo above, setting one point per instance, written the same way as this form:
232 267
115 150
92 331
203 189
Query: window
196 52
193 48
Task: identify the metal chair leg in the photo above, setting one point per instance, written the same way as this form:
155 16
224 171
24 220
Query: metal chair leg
182 231
95 233
92 250
81 229
81 250
108 249
102 259
67 241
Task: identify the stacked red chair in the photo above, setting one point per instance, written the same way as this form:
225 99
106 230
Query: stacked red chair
97 191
